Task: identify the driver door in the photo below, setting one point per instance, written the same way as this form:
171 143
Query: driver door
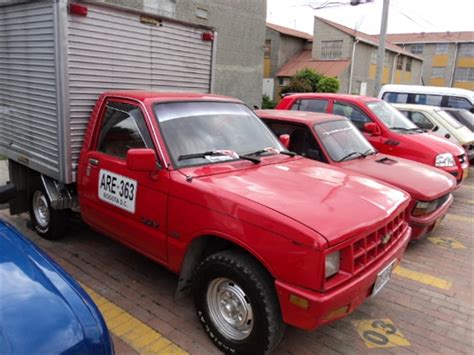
127 205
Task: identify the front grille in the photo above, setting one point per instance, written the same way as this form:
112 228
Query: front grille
364 251
371 247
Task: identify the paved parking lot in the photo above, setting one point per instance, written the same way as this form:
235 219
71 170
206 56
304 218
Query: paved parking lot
427 308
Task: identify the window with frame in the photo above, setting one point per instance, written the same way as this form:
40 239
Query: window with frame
433 100
400 62
356 115
123 128
395 97
458 102
268 48
408 64
302 141
417 48
464 74
331 50
466 50
420 120
441 48
438 72
373 57
313 105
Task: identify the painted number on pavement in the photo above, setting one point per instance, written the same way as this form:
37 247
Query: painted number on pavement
446 242
117 190
380 333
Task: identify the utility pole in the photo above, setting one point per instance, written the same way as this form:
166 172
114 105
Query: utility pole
381 50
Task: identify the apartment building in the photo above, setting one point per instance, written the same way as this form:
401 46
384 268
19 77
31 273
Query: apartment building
351 56
448 57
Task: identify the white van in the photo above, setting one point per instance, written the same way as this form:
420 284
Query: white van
428 95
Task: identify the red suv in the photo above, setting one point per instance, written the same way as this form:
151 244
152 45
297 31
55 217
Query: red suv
386 129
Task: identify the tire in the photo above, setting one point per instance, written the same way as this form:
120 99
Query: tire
47 222
234 285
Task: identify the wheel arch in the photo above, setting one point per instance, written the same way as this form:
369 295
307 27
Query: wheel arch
201 247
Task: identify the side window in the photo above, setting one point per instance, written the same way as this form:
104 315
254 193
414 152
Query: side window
421 120
394 97
123 128
356 115
302 141
433 100
458 102
314 105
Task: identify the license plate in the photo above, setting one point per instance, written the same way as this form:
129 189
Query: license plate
383 277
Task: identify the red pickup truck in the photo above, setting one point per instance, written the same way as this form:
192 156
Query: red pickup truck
199 184
386 129
335 140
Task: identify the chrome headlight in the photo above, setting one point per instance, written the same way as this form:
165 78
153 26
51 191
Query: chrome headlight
444 160
333 262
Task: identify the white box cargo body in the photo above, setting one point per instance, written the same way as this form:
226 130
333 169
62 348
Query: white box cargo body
54 64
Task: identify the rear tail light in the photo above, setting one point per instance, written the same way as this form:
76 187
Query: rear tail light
77 9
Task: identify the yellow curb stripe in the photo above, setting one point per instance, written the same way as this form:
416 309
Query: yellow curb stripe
131 330
423 278
457 217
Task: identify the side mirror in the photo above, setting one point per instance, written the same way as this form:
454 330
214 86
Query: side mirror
141 160
285 140
372 128
434 129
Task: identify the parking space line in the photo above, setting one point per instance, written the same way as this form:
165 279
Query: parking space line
380 333
423 278
132 331
446 242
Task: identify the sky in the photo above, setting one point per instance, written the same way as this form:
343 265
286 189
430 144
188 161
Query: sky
404 15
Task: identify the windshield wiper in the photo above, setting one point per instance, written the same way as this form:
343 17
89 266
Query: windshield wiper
369 152
351 154
211 153
268 150
400 129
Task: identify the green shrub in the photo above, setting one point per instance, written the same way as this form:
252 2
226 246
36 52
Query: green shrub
267 103
328 84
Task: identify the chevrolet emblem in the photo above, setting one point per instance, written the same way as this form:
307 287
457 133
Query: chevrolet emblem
386 238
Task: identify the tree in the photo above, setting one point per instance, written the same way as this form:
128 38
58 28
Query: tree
308 80
328 84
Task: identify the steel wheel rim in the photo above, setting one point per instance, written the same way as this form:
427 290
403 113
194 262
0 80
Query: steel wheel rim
230 309
41 209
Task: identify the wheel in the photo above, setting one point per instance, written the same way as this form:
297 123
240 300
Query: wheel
47 222
236 303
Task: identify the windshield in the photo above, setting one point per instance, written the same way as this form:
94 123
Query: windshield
465 117
342 139
222 130
390 116
449 119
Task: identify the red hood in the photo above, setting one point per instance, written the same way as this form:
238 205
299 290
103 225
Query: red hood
437 145
331 201
407 175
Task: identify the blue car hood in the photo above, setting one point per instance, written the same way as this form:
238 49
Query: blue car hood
42 310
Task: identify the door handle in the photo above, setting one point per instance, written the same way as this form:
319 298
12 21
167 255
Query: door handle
93 161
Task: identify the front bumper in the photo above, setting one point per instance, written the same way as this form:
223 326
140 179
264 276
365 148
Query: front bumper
326 307
459 172
421 225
